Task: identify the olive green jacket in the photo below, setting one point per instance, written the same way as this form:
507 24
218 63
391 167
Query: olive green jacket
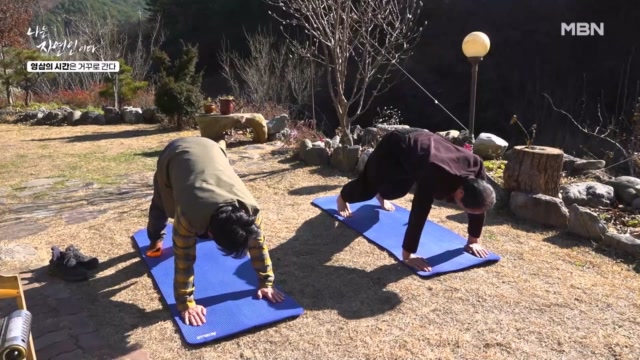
194 173
194 179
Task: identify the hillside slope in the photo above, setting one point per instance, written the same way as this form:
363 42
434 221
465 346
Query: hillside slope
53 12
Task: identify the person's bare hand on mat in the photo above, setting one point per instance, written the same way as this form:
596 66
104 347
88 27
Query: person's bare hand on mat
270 293
477 250
415 262
343 208
195 316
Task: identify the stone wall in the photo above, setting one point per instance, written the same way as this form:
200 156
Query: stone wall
579 208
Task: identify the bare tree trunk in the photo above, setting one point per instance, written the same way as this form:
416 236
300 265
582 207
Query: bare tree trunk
7 86
179 122
9 95
116 87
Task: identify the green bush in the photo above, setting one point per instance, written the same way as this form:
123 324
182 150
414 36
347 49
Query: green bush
128 88
178 94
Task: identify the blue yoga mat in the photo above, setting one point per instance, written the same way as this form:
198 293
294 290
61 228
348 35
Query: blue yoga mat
442 248
225 286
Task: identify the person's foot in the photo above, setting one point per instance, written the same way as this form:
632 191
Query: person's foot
155 249
385 204
343 207
88 262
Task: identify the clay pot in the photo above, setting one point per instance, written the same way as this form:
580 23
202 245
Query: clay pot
209 108
226 106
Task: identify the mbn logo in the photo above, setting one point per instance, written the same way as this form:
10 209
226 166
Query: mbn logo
582 29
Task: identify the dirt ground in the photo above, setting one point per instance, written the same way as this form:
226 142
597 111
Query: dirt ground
551 296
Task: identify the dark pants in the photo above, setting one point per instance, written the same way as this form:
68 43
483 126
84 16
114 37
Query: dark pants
158 219
385 173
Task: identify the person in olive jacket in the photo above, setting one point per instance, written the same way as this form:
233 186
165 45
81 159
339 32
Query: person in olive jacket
196 186
438 169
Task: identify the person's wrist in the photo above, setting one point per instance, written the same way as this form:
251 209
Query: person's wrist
472 240
406 255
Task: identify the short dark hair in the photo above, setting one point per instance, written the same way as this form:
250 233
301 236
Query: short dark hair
232 229
478 194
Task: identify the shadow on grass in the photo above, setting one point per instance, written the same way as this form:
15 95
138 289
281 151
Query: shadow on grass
561 238
566 240
302 270
56 303
240 143
253 176
126 134
312 190
149 154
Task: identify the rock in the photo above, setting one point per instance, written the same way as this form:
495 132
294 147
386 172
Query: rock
600 176
21 229
78 216
589 165
88 117
277 124
541 209
99 119
64 110
107 110
489 146
357 133
575 166
150 116
281 136
389 128
363 160
112 119
623 242
303 147
568 162
585 223
462 139
626 188
214 126
636 204
316 156
73 117
132 115
335 142
369 137
508 155
30 116
591 194
502 197
17 253
449 135
52 118
345 158
42 182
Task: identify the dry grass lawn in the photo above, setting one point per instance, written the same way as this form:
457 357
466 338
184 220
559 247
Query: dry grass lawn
551 296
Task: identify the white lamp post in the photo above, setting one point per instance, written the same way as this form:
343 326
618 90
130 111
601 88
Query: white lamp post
474 46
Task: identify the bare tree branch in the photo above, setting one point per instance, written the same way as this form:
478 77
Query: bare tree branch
372 35
586 131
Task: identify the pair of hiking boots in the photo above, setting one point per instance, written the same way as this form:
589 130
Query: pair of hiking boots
71 264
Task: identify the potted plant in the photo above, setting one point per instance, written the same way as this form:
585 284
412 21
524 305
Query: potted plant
209 106
227 105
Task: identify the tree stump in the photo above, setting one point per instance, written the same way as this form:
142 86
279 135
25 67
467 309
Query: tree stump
535 170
